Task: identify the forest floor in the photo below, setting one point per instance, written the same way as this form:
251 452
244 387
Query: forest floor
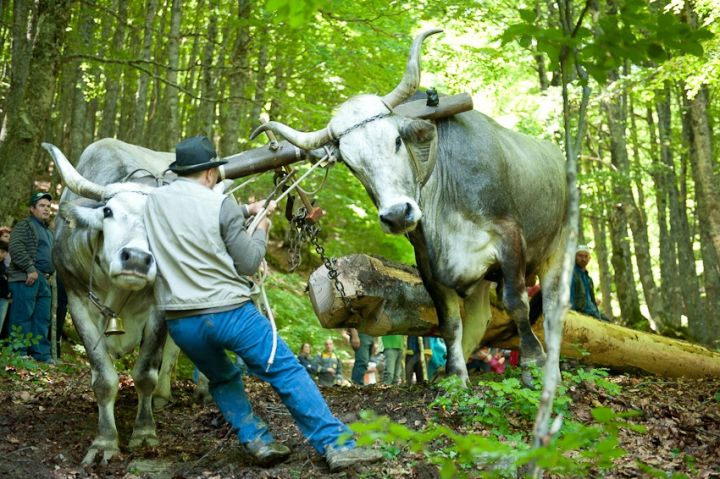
48 418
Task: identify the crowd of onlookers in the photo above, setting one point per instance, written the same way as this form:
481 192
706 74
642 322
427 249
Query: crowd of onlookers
394 359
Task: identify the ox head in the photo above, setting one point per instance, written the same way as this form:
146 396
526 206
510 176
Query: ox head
391 155
114 222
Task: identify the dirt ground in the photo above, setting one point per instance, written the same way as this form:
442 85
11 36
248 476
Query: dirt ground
48 419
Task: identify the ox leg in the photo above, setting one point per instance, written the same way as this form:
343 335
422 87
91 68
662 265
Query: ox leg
163 391
447 305
145 375
515 298
104 381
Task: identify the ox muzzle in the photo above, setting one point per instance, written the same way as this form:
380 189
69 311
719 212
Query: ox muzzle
401 217
135 261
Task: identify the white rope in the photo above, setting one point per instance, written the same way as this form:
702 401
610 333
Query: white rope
263 266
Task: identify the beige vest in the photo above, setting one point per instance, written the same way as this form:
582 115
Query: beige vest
195 270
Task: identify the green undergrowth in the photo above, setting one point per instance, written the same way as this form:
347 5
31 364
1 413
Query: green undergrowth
485 430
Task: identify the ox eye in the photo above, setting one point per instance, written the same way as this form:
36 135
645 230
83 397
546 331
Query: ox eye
107 212
398 144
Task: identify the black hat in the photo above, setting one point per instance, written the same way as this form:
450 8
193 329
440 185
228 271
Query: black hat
38 195
194 154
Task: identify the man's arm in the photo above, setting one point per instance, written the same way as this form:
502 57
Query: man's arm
246 251
21 241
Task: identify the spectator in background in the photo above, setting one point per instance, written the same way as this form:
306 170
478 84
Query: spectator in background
497 361
438 358
362 344
480 360
329 367
30 269
5 236
306 360
4 286
582 289
413 361
375 364
392 349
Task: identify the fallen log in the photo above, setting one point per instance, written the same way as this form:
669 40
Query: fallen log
382 297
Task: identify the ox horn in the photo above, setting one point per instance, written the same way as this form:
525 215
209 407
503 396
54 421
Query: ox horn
411 79
306 141
74 180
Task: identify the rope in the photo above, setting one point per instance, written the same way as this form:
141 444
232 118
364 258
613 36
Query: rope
263 266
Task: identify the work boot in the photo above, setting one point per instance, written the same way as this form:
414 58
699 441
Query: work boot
341 458
267 453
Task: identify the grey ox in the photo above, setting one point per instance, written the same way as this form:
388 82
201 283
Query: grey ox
101 249
478 202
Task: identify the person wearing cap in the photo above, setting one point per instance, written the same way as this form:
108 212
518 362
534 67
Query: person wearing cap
30 269
582 288
204 255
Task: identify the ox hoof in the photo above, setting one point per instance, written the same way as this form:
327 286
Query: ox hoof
141 439
526 377
161 402
108 452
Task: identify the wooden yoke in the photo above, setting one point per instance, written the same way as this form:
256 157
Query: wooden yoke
274 156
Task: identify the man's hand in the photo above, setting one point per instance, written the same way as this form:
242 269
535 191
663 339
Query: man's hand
31 278
354 339
255 208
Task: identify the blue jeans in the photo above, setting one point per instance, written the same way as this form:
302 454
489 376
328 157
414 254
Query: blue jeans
247 333
362 358
4 303
31 311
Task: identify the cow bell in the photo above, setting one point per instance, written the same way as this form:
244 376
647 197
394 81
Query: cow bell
114 326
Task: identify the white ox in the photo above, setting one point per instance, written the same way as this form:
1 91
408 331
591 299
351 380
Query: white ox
101 248
478 202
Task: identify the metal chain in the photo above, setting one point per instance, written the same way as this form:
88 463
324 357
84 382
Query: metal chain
306 230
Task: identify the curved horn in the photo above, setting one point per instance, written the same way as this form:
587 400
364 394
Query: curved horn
411 79
74 180
306 141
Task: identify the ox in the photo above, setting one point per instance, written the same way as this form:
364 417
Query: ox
101 249
478 202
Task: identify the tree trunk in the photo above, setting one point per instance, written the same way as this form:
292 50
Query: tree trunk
233 112
113 74
204 120
706 328
621 257
23 31
170 133
668 259
388 298
27 130
141 96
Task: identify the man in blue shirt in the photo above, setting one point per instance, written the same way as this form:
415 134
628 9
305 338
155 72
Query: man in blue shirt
582 289
30 269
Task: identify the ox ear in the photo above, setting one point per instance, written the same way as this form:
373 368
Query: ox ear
420 138
82 216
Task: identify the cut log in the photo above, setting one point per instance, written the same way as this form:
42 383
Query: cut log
382 297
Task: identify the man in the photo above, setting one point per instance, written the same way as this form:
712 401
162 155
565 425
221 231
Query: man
582 289
362 344
30 269
392 348
329 367
204 255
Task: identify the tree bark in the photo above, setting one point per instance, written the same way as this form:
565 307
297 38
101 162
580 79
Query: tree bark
136 134
388 298
204 121
621 256
113 75
234 111
171 131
